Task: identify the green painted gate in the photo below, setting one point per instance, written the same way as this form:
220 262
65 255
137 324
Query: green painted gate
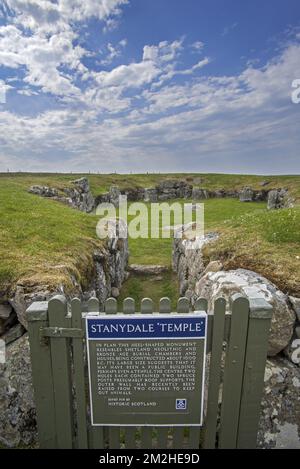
236 356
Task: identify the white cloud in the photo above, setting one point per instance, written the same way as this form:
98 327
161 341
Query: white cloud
198 46
42 58
49 56
135 114
229 28
114 51
48 16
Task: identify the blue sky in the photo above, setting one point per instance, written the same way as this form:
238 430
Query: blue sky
149 85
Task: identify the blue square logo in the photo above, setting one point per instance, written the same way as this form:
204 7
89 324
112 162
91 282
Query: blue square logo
181 404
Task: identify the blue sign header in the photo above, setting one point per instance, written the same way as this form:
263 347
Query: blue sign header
152 327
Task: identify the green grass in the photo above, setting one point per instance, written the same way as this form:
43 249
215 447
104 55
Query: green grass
267 242
42 241
148 286
101 182
216 213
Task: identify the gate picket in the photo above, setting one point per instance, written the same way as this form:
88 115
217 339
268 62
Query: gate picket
42 378
96 434
178 437
60 355
79 378
233 373
215 373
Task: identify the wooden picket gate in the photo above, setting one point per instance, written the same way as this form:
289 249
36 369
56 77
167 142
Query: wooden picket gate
237 346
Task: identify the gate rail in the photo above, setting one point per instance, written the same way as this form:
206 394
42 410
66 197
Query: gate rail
237 343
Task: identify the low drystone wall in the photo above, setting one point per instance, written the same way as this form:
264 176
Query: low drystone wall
280 413
17 410
79 196
177 189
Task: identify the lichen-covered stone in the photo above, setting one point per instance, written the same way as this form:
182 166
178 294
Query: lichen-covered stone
188 262
225 284
17 408
279 198
279 425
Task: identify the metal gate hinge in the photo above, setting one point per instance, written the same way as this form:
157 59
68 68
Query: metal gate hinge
62 332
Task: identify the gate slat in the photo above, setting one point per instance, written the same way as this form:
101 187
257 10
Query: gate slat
146 438
96 437
201 304
114 437
79 378
60 354
163 432
111 306
215 373
255 361
183 305
130 432
129 306
165 305
40 354
194 438
130 437
233 373
178 437
96 434
162 437
147 306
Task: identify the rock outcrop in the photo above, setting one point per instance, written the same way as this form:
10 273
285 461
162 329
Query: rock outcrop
225 284
279 198
247 195
140 269
188 262
79 196
199 194
17 409
179 189
43 191
110 265
279 425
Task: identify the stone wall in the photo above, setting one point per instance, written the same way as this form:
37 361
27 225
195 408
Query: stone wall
110 270
17 411
180 189
79 196
196 279
279 421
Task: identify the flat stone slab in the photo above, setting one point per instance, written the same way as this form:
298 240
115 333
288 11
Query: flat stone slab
140 269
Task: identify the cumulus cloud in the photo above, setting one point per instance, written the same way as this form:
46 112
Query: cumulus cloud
48 16
134 115
198 46
113 51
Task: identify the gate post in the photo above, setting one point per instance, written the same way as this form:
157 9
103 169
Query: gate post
254 370
37 317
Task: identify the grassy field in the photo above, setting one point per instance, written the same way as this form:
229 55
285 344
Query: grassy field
43 241
101 182
267 242
218 212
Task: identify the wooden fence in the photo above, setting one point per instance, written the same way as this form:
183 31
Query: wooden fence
236 348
